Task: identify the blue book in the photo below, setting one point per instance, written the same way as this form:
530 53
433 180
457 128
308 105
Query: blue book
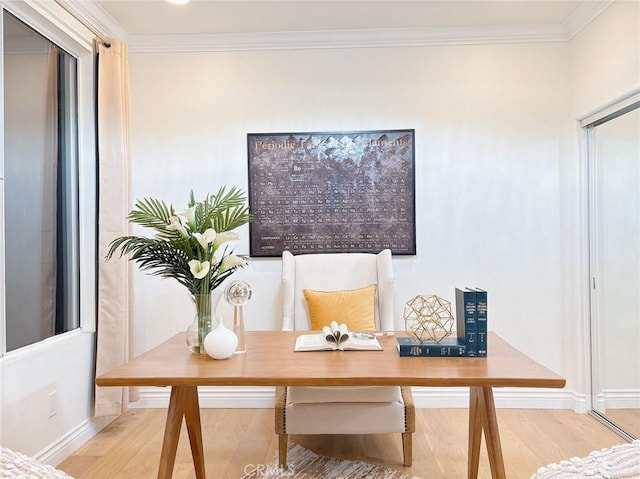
466 325
481 320
411 346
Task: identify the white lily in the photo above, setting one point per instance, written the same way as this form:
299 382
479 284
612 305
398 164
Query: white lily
224 237
176 225
206 238
199 269
231 261
188 214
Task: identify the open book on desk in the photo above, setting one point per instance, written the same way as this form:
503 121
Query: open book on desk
336 337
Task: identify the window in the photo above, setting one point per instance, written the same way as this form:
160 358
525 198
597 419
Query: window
40 186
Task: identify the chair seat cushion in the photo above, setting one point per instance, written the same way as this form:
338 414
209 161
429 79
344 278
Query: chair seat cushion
345 418
618 462
324 394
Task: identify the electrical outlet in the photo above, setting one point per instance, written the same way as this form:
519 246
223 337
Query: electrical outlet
52 400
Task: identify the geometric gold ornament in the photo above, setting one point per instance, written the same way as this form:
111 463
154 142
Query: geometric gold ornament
428 318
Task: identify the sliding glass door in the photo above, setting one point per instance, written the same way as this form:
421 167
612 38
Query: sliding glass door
614 157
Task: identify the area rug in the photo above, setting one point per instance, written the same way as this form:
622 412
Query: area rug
305 464
15 465
618 462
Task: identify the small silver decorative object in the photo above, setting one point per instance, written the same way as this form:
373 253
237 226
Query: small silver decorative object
238 293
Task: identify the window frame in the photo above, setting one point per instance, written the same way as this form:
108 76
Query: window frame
58 26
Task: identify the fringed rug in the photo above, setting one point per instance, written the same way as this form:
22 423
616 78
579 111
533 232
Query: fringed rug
617 462
304 464
15 465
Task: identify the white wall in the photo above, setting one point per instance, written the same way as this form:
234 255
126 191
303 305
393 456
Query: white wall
492 134
62 366
605 58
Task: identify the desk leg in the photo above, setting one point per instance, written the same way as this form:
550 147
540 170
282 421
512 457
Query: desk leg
194 428
183 403
482 416
475 433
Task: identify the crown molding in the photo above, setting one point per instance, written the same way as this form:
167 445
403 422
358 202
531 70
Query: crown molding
583 16
95 18
99 21
413 37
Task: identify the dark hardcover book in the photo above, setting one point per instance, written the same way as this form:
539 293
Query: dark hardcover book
466 326
410 346
481 321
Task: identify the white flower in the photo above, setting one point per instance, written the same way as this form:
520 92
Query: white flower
188 214
224 237
231 261
206 238
198 269
176 225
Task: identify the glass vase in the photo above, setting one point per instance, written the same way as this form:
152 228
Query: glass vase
204 320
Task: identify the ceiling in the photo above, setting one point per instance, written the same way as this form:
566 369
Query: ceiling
217 25
158 17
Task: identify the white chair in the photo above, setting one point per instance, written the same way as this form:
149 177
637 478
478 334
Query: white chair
340 410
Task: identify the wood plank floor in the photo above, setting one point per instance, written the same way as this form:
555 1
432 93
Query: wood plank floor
235 439
627 419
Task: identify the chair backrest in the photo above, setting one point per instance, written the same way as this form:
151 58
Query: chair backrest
335 272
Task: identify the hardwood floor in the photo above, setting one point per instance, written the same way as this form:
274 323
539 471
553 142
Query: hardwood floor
627 419
238 438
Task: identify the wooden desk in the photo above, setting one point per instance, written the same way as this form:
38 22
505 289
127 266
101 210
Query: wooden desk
270 361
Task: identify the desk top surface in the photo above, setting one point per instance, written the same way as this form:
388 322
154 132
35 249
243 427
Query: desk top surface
271 361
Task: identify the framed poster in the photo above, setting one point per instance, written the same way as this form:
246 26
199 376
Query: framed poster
332 192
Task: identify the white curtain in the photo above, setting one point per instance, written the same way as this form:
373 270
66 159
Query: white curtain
115 343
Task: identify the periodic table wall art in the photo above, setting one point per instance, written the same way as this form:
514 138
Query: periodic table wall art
332 192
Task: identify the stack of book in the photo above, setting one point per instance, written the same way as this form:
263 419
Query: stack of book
471 320
471 330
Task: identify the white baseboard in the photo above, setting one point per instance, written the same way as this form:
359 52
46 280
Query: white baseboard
58 451
249 397
505 398
619 399
263 397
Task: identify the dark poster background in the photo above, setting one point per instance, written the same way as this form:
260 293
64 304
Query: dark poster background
332 192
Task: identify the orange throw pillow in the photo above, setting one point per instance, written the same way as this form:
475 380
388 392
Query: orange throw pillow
355 307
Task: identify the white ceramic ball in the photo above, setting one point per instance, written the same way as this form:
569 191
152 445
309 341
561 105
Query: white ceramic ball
220 343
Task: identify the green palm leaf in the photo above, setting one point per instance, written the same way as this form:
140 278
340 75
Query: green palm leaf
160 257
169 252
151 213
224 211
